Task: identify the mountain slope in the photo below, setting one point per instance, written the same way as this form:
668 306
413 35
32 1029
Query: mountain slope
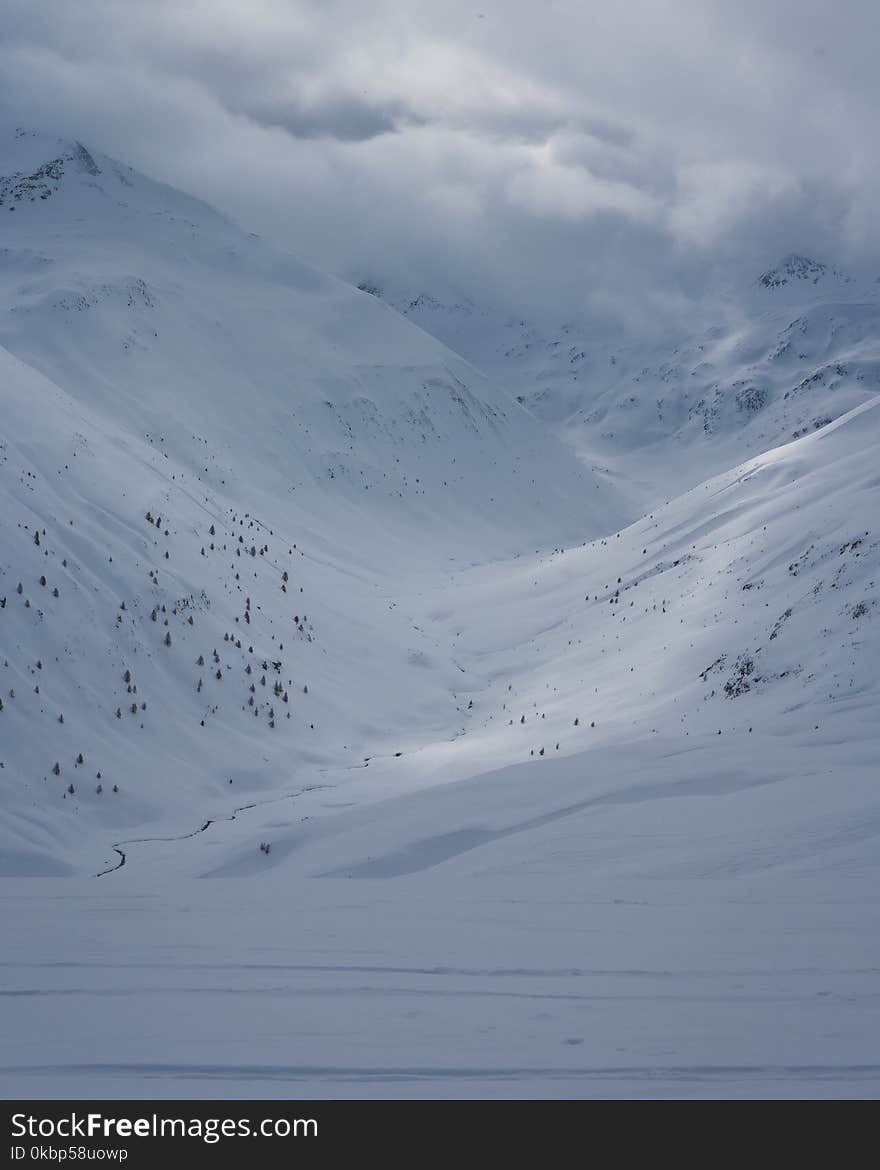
150 307
720 653
216 445
758 365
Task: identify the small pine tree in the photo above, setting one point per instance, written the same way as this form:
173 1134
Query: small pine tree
168 638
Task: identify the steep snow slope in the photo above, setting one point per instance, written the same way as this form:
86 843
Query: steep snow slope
771 362
544 363
255 373
761 364
216 464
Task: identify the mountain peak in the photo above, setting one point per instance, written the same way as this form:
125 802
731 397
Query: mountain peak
795 268
35 166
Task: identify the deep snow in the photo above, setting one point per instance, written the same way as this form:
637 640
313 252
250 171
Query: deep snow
562 734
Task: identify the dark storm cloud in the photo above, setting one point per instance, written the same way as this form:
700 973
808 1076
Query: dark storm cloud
551 155
344 118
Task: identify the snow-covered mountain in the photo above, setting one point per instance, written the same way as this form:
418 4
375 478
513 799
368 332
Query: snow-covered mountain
763 363
210 445
571 645
146 305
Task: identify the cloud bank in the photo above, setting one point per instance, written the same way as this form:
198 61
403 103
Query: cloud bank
562 157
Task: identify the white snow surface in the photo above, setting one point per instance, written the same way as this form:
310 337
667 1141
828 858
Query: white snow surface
762 362
562 736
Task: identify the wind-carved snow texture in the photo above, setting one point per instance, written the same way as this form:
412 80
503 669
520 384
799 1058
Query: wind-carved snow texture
536 747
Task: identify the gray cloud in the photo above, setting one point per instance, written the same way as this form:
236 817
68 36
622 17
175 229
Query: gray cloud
343 117
570 154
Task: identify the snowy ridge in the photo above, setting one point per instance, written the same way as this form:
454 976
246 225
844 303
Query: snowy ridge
764 363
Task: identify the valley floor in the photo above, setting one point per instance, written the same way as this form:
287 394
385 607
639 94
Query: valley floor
664 923
435 986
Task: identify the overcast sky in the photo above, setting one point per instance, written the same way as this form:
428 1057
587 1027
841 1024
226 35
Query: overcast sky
553 153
